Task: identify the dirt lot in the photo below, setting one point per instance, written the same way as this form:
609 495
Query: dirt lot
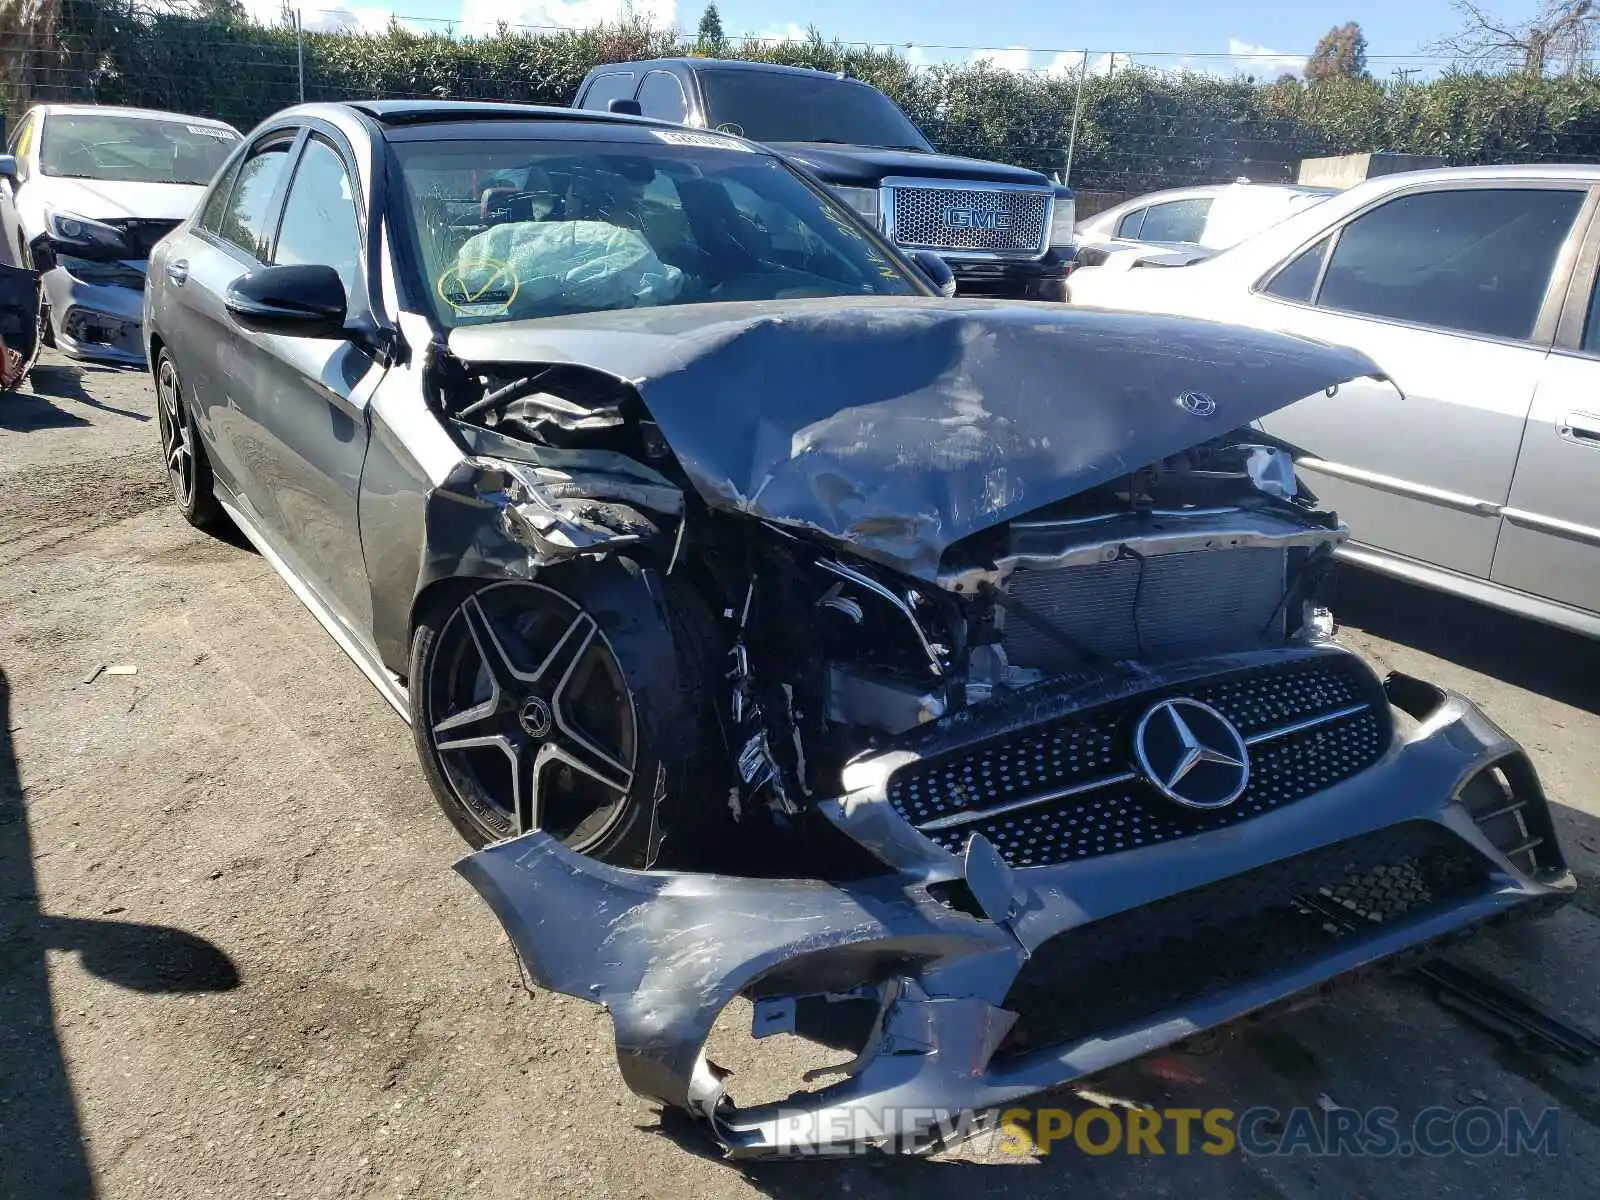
234 960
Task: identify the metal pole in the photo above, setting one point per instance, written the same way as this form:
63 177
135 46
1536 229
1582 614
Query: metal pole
1077 111
300 52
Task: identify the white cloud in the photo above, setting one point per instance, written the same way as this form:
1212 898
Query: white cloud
1014 58
481 16
790 32
1250 59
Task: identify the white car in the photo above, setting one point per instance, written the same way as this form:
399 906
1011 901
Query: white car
1474 288
1196 222
85 193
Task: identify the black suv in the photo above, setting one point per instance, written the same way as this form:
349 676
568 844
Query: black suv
1005 231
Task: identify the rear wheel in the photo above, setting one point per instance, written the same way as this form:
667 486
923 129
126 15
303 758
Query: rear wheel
571 705
188 468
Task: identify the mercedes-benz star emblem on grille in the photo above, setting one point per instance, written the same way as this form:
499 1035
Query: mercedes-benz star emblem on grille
1197 404
1192 754
975 218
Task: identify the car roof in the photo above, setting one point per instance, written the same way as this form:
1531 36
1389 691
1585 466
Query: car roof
144 114
725 64
426 112
1511 172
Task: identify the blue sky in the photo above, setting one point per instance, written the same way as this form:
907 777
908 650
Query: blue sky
1263 36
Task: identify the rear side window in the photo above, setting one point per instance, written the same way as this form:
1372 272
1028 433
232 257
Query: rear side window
243 219
614 85
1298 278
1474 260
661 96
1175 221
1128 227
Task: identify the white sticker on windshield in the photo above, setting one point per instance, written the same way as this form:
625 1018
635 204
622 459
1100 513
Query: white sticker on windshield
709 141
223 135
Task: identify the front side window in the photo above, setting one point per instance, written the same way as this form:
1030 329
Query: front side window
661 96
585 227
132 149
243 219
319 216
1477 260
776 106
1175 221
1591 325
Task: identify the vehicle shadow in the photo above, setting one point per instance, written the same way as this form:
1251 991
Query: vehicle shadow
21 411
42 1151
1515 650
64 381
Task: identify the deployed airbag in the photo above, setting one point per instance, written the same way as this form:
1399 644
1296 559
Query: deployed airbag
526 268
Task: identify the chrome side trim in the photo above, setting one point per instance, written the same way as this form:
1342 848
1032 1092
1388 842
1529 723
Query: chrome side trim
388 685
1401 487
1552 525
966 818
1496 595
878 589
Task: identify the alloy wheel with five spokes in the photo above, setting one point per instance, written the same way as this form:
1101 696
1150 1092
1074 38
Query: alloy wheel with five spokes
177 433
529 716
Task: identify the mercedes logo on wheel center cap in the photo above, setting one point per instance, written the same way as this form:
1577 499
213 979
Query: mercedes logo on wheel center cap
1192 754
534 716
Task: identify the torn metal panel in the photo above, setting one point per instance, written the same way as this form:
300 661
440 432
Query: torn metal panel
900 426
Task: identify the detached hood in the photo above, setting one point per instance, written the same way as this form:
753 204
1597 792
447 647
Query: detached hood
868 164
899 426
116 200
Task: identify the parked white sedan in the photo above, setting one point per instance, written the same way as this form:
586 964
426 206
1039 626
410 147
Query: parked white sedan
1475 289
85 192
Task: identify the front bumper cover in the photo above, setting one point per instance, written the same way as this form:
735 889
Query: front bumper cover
666 952
96 321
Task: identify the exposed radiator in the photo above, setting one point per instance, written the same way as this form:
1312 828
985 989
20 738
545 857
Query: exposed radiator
1201 602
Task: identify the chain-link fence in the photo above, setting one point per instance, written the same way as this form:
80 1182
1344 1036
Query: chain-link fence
1122 131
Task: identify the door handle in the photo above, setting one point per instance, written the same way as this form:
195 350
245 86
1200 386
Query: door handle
178 272
1580 427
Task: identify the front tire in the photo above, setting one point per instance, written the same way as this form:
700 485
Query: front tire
578 704
184 454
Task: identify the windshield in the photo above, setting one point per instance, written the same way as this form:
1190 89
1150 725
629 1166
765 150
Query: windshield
509 230
775 106
135 149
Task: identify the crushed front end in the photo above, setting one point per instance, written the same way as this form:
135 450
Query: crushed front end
1041 705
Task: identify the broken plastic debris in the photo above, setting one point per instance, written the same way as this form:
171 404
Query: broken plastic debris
94 674
122 669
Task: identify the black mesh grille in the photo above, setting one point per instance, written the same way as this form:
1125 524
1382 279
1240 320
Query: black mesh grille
1155 959
1129 813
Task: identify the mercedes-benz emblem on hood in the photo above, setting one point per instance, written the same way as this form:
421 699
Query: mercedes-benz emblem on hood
1192 754
1197 404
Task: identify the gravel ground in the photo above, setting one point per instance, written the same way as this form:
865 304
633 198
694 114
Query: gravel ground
234 960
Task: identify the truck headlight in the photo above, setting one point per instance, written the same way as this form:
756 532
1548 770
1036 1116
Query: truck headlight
863 200
1063 218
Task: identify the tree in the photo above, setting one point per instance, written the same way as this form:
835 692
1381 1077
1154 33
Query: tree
710 37
1341 54
1560 35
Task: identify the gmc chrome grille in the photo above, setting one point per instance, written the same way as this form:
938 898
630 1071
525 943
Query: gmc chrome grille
1065 791
1002 220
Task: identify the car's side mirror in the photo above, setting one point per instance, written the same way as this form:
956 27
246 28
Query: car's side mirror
8 166
627 108
302 301
937 270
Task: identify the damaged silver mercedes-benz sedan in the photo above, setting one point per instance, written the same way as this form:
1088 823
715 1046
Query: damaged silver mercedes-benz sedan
945 678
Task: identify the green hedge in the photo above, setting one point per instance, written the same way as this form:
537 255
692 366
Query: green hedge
1140 129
